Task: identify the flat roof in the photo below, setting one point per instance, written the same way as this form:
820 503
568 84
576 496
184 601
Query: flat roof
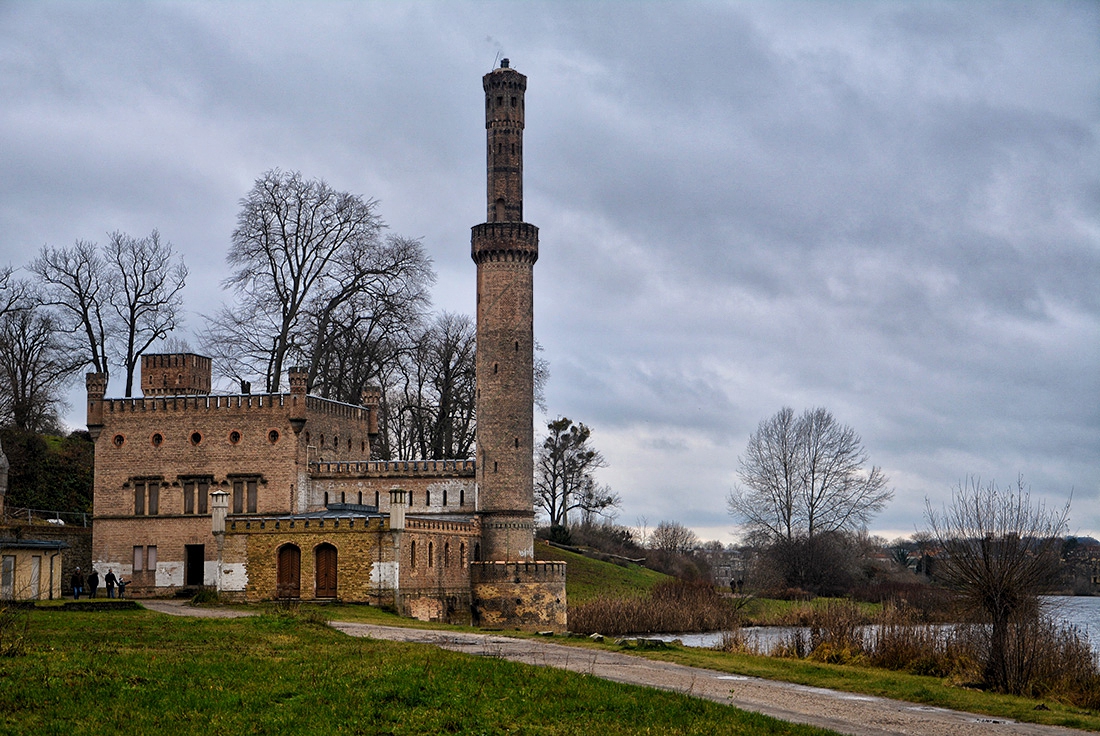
32 544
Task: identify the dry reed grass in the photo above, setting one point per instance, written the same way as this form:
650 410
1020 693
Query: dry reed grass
673 607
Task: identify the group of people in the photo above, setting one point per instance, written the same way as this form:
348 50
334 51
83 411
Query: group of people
90 585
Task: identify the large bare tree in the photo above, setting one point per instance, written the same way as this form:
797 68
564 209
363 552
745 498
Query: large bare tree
999 550
804 479
77 285
146 299
305 257
564 480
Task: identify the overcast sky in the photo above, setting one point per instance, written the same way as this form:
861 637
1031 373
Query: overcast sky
891 210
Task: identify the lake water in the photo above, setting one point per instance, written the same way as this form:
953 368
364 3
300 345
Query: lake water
1080 611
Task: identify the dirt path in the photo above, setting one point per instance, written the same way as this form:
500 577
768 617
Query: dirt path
859 715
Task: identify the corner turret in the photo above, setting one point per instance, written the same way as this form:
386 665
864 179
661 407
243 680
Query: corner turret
96 384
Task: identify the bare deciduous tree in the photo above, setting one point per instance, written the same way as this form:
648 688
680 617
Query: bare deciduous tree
806 476
430 409
673 537
306 258
564 481
77 285
35 365
12 291
805 479
146 298
999 551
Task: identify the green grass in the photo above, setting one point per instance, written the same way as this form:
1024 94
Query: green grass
142 672
588 579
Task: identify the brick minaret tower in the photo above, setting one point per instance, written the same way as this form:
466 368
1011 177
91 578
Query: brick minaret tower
509 588
505 249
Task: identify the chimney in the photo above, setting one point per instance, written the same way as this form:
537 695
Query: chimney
397 509
219 508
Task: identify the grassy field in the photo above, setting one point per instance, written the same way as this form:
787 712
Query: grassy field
588 579
142 672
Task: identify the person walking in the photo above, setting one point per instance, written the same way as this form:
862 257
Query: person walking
93 583
109 580
77 582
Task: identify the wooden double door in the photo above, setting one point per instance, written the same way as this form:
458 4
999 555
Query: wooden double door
289 572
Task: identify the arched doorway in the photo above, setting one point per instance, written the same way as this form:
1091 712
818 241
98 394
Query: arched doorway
325 556
289 572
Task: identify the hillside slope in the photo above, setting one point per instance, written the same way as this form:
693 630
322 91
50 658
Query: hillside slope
588 579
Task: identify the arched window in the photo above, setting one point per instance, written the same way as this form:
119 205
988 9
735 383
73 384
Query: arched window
412 553
430 553
446 554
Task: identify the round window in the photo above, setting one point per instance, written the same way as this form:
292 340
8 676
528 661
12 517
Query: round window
234 437
196 438
157 439
119 440
273 436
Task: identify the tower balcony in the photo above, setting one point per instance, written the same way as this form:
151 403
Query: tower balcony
516 242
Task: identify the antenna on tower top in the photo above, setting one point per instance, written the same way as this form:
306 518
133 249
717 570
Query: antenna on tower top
496 59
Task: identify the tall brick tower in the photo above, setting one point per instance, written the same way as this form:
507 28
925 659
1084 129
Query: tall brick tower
509 588
505 249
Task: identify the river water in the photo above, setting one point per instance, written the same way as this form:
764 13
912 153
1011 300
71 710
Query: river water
1080 611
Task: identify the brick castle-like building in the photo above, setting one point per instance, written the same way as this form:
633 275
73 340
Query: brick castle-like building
276 496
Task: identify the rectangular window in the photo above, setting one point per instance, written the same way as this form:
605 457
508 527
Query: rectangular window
204 491
189 497
252 496
138 567
238 497
139 499
151 558
154 498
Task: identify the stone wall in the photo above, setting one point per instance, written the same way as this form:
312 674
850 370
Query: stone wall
529 596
